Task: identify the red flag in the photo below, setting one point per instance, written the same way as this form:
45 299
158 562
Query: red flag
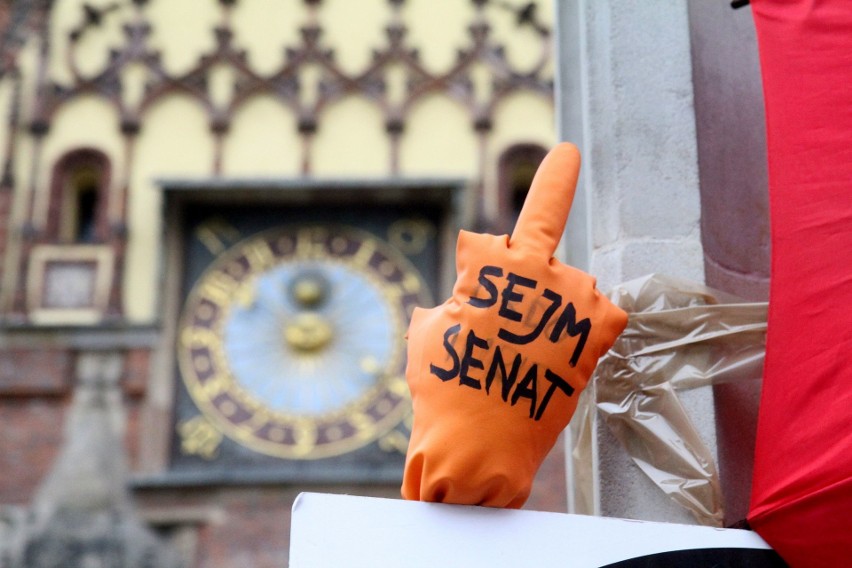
802 488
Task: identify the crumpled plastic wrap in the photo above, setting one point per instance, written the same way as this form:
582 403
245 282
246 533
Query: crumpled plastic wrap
680 335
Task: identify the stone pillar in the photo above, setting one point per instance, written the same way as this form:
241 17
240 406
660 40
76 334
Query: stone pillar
625 97
735 207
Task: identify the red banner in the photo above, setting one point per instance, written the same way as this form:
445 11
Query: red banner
802 489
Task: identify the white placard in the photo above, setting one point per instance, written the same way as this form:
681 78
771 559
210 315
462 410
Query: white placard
342 530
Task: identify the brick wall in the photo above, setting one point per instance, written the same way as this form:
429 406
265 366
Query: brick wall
30 437
34 394
36 387
35 372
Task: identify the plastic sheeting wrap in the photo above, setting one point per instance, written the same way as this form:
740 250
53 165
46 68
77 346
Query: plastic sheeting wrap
679 336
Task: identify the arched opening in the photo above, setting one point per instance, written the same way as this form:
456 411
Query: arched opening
78 201
516 168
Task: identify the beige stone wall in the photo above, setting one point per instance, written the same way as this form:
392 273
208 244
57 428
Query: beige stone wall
176 140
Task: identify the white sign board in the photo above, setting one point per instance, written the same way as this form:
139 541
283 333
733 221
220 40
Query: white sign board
341 530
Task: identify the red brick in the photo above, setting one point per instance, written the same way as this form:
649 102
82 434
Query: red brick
30 439
136 370
35 371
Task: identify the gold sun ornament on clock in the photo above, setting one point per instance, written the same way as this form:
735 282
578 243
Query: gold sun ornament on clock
292 341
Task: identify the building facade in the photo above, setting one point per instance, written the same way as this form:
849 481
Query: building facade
240 202
189 187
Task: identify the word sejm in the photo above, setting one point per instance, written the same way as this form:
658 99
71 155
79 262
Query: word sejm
518 378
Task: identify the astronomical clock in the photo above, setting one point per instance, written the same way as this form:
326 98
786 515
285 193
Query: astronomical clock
290 341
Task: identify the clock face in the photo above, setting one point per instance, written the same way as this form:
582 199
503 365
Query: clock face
291 342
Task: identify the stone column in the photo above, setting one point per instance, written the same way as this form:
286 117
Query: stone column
735 207
625 97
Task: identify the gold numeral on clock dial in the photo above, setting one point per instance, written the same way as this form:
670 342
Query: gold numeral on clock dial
310 243
393 292
259 255
398 386
365 253
259 418
219 288
363 424
216 235
305 433
214 386
198 337
411 283
394 441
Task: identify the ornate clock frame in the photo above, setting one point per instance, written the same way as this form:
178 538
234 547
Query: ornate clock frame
189 446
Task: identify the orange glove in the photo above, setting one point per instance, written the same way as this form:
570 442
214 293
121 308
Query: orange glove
495 371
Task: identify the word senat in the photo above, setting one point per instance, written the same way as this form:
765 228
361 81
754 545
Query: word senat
517 378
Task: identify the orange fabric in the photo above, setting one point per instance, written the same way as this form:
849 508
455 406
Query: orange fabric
496 370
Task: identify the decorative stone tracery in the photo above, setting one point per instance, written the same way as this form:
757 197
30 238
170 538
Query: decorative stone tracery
284 84
287 85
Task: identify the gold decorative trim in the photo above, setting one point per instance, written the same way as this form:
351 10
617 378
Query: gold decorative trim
410 236
199 437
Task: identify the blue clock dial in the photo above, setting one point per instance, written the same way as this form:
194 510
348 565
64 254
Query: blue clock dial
292 342
301 358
